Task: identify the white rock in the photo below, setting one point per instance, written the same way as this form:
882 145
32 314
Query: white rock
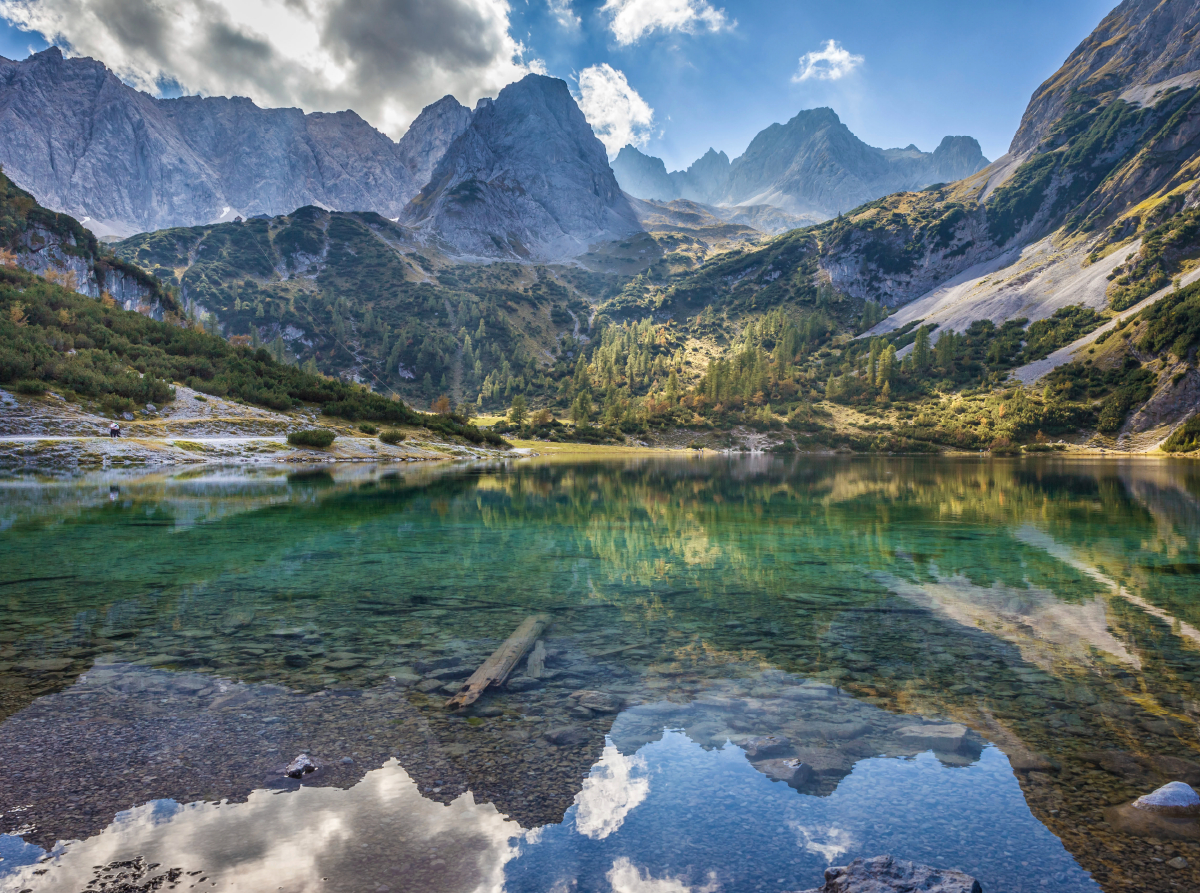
1174 799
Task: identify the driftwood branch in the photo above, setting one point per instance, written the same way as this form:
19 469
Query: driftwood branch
496 668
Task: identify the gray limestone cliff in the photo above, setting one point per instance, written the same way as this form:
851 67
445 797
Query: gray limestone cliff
122 161
528 179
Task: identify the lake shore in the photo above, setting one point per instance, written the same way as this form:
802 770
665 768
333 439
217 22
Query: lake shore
47 433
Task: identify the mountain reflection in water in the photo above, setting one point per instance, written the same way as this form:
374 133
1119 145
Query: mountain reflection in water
976 661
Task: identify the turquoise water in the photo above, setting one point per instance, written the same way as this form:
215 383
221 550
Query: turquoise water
979 663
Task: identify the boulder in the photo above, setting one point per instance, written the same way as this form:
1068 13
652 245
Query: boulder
766 746
1174 799
300 767
947 737
522 683
883 874
568 736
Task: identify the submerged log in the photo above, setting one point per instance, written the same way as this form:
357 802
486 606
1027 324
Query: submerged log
497 667
536 665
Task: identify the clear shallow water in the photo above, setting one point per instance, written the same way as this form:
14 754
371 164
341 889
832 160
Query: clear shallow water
168 645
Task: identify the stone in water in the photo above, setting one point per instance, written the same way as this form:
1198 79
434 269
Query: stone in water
300 767
1174 799
883 874
766 746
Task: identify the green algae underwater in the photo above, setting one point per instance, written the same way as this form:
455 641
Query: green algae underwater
980 662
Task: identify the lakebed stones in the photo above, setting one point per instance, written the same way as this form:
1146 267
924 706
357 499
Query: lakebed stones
1175 800
884 874
598 701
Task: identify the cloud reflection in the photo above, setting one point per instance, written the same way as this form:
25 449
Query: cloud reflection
615 787
381 831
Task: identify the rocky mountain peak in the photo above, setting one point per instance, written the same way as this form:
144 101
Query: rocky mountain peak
527 178
430 135
1139 42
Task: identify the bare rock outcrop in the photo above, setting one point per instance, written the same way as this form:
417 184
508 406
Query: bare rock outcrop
884 874
528 179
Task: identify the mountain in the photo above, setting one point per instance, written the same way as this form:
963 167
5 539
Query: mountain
1139 42
56 247
812 167
87 144
527 179
643 176
705 178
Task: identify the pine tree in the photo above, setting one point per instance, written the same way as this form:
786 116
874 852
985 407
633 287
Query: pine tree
517 412
920 352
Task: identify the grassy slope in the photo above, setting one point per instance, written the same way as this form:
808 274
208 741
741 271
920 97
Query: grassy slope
93 350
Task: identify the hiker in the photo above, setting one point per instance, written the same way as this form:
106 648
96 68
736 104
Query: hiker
114 430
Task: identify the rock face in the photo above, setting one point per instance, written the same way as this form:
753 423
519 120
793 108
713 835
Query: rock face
705 179
883 874
1139 42
526 180
643 175
812 166
122 161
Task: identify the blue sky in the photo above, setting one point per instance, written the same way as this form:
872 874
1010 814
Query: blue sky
711 74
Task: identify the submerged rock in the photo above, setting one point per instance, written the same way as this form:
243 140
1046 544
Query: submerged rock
568 736
300 767
883 874
1174 799
766 746
792 772
523 683
946 737
598 701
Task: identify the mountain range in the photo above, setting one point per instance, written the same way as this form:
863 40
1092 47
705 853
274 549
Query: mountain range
525 168
1093 212
521 177
812 167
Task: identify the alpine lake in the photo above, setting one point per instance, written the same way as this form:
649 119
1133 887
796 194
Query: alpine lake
753 668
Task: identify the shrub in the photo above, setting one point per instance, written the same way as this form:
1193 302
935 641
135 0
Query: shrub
1186 437
317 438
368 428
33 388
391 436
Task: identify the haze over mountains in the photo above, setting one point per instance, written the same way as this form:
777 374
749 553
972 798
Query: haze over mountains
812 167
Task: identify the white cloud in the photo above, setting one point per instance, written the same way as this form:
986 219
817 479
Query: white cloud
630 20
617 113
563 14
616 786
385 59
829 64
